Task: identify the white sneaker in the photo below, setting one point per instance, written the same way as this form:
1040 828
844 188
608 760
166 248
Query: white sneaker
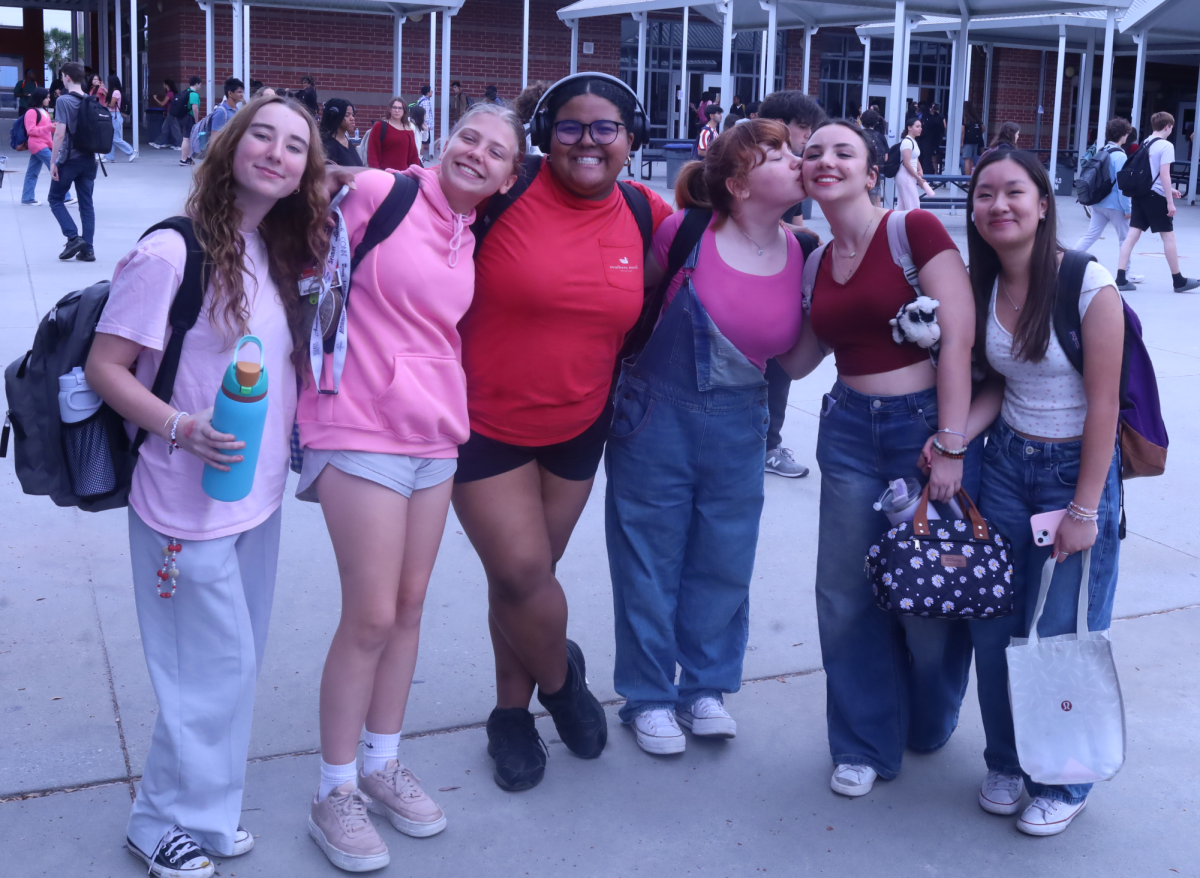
34 203
853 780
71 200
658 733
707 718
243 843
133 156
1135 278
1001 793
1048 816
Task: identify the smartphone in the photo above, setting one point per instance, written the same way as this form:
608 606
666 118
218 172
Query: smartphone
1045 526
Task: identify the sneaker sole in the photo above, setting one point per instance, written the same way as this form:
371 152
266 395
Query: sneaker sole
708 728
851 790
786 475
998 807
661 746
238 850
1044 829
161 872
402 824
341 859
519 786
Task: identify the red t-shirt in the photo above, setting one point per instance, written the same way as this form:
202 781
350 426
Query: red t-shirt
558 284
397 150
852 318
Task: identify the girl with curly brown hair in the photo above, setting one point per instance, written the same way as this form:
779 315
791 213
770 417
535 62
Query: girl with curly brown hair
258 209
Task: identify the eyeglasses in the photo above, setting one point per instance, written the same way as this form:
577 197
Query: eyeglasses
602 131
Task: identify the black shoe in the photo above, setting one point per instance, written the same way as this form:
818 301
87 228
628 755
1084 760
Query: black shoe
187 161
177 854
577 714
519 751
1189 284
87 254
74 245
1127 287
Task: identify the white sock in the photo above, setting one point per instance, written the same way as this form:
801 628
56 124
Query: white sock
333 776
378 749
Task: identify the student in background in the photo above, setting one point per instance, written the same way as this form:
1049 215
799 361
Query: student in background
118 122
392 142
709 132
1114 209
39 128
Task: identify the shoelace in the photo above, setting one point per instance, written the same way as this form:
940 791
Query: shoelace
660 720
1048 807
855 773
708 707
351 810
456 240
406 784
785 453
1002 783
176 845
529 732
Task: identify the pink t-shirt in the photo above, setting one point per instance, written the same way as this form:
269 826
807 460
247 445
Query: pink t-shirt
760 315
166 490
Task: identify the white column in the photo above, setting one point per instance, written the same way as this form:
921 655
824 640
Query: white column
432 63
102 24
236 6
525 48
865 103
1139 80
762 68
643 24
808 35
1106 76
447 15
1056 123
960 61
574 26
684 115
134 86
246 44
727 54
1085 96
770 42
118 39
895 112
1195 159
397 54
908 23
209 61
990 48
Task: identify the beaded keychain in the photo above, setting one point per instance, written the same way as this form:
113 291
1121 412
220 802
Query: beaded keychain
169 572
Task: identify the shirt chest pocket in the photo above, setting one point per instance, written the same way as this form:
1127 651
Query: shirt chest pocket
622 265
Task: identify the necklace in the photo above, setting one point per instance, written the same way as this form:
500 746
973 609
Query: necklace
858 243
1004 289
748 238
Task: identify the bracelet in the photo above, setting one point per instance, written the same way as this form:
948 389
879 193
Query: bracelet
166 422
1081 513
174 424
946 452
955 433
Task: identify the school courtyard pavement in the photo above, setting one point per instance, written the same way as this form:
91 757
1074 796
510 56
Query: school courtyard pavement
77 709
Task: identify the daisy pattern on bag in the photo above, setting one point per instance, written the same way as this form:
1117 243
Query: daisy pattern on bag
993 564
987 550
933 554
960 526
998 590
1008 575
943 534
887 578
1003 555
906 603
968 551
929 602
957 594
946 547
873 551
915 562
947 606
891 534
938 580
965 611
978 571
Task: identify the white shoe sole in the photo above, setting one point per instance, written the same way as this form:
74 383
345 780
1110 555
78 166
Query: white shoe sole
717 727
403 824
341 859
998 807
238 849
161 872
1044 829
851 790
786 475
658 746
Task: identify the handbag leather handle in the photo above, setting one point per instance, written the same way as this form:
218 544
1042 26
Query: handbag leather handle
979 527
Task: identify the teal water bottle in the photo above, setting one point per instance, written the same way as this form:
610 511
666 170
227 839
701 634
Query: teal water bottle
240 410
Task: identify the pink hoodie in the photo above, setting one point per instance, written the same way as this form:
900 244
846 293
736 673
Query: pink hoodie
403 390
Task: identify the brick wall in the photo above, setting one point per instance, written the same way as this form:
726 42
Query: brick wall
793 74
1015 97
25 42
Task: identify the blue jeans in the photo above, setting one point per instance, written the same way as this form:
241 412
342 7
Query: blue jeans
891 681
118 137
684 462
1023 478
36 160
80 170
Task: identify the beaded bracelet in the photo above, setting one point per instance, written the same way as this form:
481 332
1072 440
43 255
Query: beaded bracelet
172 445
946 452
1080 513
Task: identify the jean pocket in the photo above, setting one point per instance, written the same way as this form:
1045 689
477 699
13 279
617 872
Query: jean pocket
1067 472
631 411
991 450
929 416
827 404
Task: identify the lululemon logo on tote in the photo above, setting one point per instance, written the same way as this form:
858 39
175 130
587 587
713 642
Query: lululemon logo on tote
1066 706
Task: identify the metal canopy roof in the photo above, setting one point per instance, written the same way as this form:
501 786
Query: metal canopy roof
1163 19
377 7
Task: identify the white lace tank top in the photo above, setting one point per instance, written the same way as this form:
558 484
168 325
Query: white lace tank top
1045 398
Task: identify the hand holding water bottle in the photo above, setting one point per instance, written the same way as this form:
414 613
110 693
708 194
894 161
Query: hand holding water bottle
195 435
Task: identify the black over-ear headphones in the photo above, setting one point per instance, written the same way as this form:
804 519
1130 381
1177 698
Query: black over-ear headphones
541 126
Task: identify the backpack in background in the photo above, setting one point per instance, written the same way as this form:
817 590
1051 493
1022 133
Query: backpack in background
1136 179
93 127
18 137
179 104
891 160
200 135
1095 181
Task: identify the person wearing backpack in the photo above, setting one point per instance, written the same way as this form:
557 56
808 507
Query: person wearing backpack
1147 180
39 134
684 457
190 118
708 133
1051 445
973 134
169 136
392 142
70 164
892 682
1114 208
559 282
381 431
204 645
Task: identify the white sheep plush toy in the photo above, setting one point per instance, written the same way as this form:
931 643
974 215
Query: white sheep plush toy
917 322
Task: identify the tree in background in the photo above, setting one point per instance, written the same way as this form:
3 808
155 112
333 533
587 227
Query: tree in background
58 47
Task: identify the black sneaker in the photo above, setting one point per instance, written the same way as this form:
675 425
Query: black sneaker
74 245
519 751
87 254
1127 287
576 712
1189 284
187 161
177 856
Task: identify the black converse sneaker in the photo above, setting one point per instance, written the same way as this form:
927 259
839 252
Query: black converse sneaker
577 714
519 751
176 856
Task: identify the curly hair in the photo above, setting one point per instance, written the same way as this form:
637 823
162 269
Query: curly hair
294 230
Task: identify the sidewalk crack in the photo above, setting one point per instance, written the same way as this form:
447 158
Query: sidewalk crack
112 688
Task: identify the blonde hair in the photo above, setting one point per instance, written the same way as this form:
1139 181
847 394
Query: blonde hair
505 115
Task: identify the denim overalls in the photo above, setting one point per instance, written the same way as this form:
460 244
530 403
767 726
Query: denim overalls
684 462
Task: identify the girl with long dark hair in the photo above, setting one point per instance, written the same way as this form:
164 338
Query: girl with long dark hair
118 122
337 123
258 210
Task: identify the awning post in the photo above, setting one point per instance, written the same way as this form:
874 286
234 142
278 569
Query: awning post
246 44
209 61
102 23
525 48
1139 79
726 53
397 54
236 8
118 39
990 48
1085 96
770 44
1056 122
1195 159
960 61
865 102
684 104
808 35
432 123
1106 76
134 86
762 68
447 15
574 26
895 109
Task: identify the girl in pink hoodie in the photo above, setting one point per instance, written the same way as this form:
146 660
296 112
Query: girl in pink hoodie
379 456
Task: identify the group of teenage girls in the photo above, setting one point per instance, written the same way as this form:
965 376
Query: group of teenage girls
493 373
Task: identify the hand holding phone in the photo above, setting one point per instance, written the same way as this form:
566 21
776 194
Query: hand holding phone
1045 526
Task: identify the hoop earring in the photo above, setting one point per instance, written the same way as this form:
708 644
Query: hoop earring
297 192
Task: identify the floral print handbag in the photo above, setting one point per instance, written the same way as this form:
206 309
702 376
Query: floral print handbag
947 569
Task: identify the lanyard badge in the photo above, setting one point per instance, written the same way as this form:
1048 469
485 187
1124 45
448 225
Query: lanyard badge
330 285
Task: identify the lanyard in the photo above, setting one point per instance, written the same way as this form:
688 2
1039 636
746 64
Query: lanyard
335 281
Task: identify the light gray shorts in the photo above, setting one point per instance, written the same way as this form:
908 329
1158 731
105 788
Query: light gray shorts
400 472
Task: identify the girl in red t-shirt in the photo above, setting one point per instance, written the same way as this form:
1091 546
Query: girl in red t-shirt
893 682
393 141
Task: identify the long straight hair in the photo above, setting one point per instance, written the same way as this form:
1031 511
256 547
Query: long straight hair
1032 334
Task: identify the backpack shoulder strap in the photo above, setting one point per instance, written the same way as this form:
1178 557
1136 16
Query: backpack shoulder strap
809 241
687 236
1068 328
897 235
185 309
387 216
639 204
498 203
808 276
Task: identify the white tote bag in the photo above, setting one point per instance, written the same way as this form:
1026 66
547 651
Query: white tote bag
1067 709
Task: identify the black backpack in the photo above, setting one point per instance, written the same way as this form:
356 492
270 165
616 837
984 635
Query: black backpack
179 104
1095 181
891 161
88 464
93 127
1136 179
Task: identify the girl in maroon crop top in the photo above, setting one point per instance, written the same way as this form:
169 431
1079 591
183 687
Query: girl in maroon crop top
894 681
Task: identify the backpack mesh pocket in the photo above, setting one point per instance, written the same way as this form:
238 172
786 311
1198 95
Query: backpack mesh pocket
88 448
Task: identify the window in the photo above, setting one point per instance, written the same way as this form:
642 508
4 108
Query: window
12 16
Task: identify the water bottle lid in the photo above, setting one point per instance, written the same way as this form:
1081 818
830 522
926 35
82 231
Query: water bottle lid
247 375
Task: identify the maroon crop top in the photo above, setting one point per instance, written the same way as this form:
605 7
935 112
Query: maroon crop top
852 318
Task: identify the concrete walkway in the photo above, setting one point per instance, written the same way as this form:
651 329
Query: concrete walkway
78 709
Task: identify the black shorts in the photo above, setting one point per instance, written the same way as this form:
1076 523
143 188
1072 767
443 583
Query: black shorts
1149 212
575 459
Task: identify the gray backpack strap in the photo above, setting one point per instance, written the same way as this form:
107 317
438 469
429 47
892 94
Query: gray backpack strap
897 233
808 277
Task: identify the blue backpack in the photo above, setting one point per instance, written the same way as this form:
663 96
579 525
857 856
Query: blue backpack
18 137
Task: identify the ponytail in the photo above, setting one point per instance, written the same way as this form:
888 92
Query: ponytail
732 156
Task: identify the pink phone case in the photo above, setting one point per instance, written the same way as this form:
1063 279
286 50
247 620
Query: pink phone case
1045 526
